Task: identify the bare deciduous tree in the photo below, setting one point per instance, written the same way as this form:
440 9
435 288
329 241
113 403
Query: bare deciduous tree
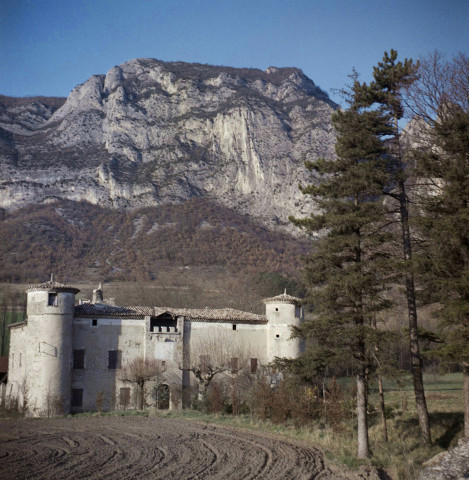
442 85
139 371
213 355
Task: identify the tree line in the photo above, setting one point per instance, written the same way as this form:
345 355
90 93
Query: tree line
394 210
82 241
12 309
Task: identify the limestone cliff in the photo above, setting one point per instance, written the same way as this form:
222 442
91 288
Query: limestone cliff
150 132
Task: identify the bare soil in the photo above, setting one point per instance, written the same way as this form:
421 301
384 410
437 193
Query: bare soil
151 448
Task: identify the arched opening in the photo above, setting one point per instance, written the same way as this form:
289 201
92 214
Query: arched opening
162 395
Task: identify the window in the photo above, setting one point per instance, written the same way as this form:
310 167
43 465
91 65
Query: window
78 359
52 300
253 365
234 365
94 322
77 397
234 327
114 359
124 397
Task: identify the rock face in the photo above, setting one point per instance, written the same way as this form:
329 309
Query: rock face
451 465
150 132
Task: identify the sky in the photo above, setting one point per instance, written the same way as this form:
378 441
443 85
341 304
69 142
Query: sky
47 47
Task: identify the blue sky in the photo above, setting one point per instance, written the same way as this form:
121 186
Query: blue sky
47 47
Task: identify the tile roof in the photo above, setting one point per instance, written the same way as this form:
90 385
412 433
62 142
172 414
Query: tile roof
104 310
205 314
283 298
52 287
221 314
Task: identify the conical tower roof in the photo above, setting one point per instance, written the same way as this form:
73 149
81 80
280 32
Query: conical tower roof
283 298
52 287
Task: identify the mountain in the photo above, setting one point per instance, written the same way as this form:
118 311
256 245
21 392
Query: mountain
152 133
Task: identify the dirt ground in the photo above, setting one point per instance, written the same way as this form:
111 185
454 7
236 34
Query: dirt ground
150 448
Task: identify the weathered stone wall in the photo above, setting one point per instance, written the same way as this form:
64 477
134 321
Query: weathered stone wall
132 337
49 352
282 317
17 363
99 383
251 339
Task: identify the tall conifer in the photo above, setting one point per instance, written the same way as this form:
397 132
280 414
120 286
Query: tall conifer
344 273
445 223
440 100
391 78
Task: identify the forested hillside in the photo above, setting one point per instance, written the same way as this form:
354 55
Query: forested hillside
78 240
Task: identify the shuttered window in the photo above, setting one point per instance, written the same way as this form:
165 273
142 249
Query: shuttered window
114 359
253 365
78 359
77 397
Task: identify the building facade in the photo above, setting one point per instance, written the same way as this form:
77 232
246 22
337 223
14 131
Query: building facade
68 358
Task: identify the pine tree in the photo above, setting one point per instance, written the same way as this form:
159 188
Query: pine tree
343 274
441 102
391 78
446 222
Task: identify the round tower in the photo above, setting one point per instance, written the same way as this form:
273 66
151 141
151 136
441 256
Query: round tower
283 312
50 311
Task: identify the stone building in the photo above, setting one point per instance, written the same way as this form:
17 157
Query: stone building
67 358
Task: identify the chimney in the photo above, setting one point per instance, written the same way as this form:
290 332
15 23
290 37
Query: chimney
98 294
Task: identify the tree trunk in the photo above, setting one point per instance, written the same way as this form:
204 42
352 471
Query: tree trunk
465 369
3 325
415 360
380 388
324 400
203 390
362 420
140 391
382 408
200 392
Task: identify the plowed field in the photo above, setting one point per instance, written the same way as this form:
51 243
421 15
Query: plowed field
148 448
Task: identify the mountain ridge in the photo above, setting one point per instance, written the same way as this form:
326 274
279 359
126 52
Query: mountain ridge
150 132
